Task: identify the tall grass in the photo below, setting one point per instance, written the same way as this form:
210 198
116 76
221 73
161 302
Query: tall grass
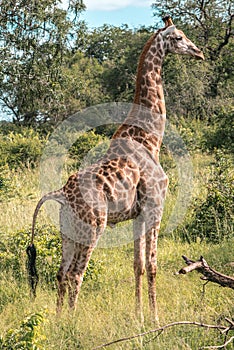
106 304
19 200
106 308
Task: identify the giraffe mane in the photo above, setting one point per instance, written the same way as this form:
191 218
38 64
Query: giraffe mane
140 66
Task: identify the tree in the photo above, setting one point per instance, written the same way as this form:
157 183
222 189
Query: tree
210 21
122 68
105 43
82 82
35 37
210 24
118 50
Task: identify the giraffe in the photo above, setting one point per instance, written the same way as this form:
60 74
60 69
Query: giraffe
128 182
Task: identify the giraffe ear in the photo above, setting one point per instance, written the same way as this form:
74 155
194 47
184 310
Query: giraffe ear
168 30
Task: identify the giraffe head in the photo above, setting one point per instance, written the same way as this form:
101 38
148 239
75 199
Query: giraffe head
175 41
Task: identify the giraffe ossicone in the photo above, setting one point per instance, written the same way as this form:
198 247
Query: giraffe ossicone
128 182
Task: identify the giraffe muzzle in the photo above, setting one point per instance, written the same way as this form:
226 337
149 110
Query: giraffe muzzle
200 56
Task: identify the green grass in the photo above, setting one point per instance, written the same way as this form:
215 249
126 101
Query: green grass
106 308
106 304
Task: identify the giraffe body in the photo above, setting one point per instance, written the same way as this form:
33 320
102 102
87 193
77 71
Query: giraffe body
127 183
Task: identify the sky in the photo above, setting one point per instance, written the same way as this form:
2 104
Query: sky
135 13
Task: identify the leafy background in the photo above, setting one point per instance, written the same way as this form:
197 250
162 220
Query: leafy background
51 66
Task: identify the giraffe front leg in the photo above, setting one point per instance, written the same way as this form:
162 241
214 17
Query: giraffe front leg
151 268
139 263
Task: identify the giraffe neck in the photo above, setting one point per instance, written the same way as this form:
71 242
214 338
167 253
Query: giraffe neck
145 122
149 89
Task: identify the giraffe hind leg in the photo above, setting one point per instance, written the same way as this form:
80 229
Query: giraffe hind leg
76 272
83 252
62 287
68 251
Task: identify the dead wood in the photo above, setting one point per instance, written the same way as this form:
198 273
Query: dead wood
208 273
222 328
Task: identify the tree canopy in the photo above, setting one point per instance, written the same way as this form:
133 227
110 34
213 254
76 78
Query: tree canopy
35 37
207 90
53 65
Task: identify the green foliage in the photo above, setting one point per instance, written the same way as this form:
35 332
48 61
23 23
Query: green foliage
220 133
49 253
212 218
203 135
21 149
200 90
193 133
117 49
186 87
88 148
12 253
26 337
53 65
5 184
82 82
122 67
35 38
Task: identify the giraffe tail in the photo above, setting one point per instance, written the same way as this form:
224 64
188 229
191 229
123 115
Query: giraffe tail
31 249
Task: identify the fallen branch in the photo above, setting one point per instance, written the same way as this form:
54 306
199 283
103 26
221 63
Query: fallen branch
208 273
160 329
220 346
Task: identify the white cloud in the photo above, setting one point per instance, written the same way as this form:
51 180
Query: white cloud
111 5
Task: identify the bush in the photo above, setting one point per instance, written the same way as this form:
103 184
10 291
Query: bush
5 183
220 135
21 149
26 337
90 146
48 245
212 218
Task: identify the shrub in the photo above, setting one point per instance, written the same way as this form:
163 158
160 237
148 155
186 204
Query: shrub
21 149
90 146
48 245
5 183
26 337
190 130
220 134
213 218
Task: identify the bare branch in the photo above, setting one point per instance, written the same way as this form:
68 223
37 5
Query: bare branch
160 329
209 274
227 36
219 346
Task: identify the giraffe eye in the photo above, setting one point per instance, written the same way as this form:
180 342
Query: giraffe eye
179 38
